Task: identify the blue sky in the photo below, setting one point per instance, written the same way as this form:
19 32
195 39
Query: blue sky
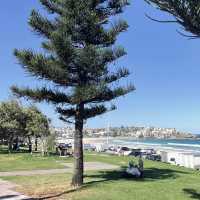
164 65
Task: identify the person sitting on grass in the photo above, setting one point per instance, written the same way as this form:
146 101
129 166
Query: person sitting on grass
136 170
131 164
133 169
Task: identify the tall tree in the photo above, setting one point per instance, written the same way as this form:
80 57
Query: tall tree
79 49
185 12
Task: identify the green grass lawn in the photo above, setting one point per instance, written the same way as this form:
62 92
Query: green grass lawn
26 161
29 162
161 181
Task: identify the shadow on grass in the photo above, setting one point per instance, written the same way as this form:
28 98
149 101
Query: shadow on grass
24 151
192 193
5 151
56 195
150 174
8 197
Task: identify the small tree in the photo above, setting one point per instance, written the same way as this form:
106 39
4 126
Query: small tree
37 125
76 64
186 13
51 142
11 121
17 122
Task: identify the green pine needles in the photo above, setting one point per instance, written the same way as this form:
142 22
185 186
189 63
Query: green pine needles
76 63
185 12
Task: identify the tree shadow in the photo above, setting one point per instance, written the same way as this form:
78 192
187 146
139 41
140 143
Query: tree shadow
153 174
5 151
193 193
8 197
56 195
150 174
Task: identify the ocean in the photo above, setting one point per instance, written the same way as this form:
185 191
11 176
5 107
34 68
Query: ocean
178 144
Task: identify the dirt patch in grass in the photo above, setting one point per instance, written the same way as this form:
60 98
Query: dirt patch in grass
53 187
44 190
53 191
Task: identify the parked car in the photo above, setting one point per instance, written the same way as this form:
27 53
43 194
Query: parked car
124 151
135 152
154 157
89 147
64 149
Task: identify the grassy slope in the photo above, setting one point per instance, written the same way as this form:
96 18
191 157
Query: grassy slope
161 182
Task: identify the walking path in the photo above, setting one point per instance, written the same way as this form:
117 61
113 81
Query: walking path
68 169
7 192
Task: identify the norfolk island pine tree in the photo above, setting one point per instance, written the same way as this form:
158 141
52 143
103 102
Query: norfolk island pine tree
76 63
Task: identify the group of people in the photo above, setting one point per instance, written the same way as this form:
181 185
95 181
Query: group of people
136 170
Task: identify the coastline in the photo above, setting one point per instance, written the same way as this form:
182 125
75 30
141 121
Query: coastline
184 153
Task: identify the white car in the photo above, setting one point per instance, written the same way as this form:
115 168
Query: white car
88 147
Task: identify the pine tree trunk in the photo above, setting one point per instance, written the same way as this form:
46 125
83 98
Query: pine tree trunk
77 179
29 144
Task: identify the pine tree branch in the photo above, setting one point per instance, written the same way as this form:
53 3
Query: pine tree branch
117 27
52 6
66 113
94 111
41 25
107 94
186 13
89 112
42 94
62 45
108 55
121 73
117 6
94 60
66 120
43 67
161 21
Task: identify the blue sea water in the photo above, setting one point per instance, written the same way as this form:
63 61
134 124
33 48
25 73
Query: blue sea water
185 144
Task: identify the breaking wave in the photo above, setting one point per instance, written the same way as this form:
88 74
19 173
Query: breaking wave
184 145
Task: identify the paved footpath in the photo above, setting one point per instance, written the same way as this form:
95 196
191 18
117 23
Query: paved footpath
7 192
68 169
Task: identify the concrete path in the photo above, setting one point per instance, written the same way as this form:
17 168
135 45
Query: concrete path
7 192
93 166
69 169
